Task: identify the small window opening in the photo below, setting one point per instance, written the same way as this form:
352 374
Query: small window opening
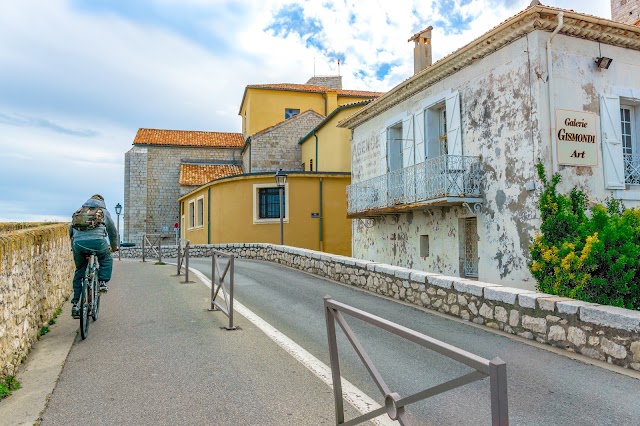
424 246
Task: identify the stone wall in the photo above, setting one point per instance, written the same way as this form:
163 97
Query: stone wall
36 270
601 332
152 188
627 11
277 147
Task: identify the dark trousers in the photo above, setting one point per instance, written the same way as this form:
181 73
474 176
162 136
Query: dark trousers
83 248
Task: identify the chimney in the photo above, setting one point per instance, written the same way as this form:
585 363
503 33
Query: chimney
421 50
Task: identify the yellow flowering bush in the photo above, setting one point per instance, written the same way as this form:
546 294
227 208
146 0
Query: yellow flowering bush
587 255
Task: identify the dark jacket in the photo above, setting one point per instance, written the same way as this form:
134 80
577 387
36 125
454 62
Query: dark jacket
107 228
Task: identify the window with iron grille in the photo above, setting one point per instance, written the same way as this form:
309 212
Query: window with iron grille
269 203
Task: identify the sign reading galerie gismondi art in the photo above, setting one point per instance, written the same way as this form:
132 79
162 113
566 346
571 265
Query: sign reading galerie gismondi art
576 138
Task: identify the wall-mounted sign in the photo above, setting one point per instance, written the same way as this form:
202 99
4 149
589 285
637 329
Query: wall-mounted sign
315 215
576 138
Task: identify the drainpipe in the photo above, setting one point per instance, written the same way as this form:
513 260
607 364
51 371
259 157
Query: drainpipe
209 215
552 119
321 219
316 135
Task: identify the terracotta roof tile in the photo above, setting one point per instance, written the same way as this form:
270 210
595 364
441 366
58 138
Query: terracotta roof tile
188 138
199 174
315 89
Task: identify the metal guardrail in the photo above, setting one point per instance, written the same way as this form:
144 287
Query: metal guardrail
218 276
439 177
149 242
394 404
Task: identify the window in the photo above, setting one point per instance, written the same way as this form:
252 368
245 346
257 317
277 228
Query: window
394 146
290 112
424 246
269 203
200 212
311 165
192 216
470 247
618 122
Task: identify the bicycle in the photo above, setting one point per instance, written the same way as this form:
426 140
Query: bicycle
90 295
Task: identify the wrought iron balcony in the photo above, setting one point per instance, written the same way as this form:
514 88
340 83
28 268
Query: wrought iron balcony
632 169
444 180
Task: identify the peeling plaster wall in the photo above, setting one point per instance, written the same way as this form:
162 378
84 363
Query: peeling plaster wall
505 121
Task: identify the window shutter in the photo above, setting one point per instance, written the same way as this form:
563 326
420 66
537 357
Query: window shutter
408 158
612 156
454 133
419 133
383 152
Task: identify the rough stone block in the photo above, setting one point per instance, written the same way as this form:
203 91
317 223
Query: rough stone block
539 325
549 303
613 349
441 281
611 316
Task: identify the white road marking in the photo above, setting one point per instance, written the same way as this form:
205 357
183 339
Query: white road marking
354 396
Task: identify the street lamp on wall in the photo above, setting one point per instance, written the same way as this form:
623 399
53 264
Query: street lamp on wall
281 180
118 211
603 62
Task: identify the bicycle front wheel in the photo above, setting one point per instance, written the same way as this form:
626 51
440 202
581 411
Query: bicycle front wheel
84 311
95 306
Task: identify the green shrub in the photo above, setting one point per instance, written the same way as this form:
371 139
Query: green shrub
591 255
8 384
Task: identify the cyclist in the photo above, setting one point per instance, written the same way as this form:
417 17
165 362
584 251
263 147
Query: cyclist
91 223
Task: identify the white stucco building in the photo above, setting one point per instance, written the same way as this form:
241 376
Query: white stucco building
444 175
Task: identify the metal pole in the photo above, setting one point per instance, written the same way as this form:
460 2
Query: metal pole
144 237
231 293
186 259
335 362
118 232
213 280
281 216
160 249
179 260
498 383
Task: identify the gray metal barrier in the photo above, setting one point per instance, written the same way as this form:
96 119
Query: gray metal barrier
149 242
183 259
394 404
218 276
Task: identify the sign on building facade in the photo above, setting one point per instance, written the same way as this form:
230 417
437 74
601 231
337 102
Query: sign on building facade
576 138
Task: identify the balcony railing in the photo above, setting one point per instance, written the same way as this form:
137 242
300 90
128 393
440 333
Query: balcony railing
443 179
632 169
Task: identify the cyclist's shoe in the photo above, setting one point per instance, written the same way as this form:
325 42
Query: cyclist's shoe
75 310
102 286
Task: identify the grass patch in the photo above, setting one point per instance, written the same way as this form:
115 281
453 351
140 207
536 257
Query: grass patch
52 321
159 263
7 385
44 330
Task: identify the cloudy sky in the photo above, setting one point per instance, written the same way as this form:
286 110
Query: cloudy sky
79 77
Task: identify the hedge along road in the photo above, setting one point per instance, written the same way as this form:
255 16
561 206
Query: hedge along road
545 387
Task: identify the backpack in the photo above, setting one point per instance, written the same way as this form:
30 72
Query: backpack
86 218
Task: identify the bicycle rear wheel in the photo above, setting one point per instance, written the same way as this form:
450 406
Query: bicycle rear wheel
95 306
84 311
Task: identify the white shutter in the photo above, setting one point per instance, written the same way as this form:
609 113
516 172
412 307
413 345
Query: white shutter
384 167
408 158
454 131
419 133
612 156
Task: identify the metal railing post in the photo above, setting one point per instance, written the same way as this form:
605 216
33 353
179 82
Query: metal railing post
217 286
186 266
179 259
160 248
231 327
144 249
498 383
335 364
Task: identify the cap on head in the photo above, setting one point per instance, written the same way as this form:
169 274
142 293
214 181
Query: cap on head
98 197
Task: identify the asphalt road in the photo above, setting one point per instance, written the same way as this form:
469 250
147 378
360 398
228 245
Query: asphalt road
157 356
545 388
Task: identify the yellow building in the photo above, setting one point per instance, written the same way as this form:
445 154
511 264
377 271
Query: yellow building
245 209
326 147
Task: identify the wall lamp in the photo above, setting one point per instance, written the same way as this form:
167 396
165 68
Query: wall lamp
603 62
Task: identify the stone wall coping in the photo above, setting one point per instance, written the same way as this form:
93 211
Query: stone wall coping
420 276
387 269
571 307
442 281
549 303
475 288
611 316
504 294
528 300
